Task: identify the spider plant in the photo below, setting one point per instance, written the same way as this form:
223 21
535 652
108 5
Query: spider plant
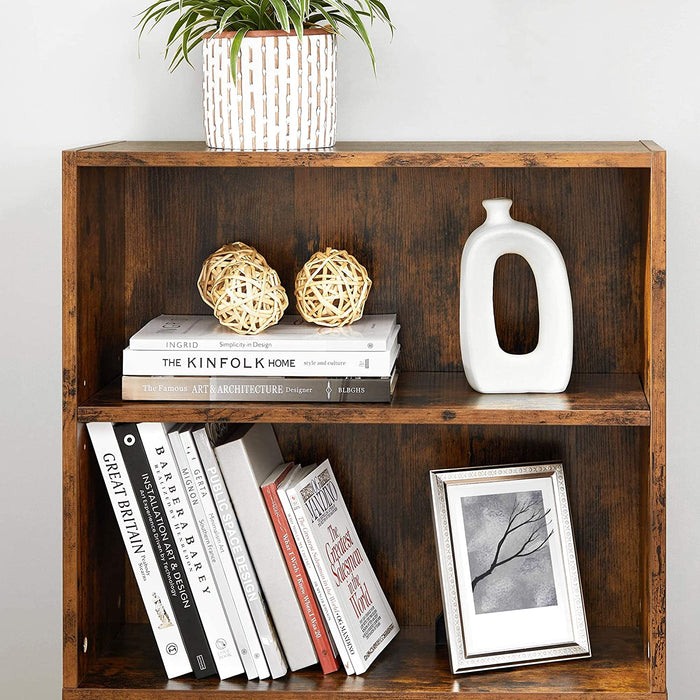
195 18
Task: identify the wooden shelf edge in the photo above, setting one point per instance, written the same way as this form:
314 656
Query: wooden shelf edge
603 154
438 398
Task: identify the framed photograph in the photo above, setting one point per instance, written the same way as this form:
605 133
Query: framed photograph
510 584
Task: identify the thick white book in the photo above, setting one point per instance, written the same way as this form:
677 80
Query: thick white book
178 332
360 608
329 620
139 549
205 514
200 363
246 460
166 473
258 614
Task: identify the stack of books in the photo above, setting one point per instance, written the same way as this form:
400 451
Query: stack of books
245 564
195 358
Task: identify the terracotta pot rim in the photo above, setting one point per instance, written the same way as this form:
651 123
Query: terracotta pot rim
259 33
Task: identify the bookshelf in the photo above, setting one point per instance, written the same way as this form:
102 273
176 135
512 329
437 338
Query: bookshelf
139 218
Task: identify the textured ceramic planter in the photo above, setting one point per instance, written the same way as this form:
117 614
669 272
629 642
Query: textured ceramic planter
284 96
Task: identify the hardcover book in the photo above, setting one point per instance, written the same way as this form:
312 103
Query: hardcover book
304 590
321 598
203 363
178 332
198 492
167 555
365 619
297 389
245 570
140 550
246 460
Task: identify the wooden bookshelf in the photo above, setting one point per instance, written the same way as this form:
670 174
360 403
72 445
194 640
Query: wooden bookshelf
139 218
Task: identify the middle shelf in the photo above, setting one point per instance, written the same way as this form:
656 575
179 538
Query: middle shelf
441 398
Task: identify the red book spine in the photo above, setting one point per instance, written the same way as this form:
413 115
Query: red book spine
302 586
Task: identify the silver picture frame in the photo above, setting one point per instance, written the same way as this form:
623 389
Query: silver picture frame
509 576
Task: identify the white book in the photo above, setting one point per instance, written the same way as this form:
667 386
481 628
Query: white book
331 625
177 506
178 332
363 614
246 461
140 551
207 519
258 614
200 363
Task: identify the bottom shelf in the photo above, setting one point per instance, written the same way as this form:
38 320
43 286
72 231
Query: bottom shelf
412 666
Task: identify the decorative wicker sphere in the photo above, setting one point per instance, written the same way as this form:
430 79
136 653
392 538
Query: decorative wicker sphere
218 261
332 288
244 291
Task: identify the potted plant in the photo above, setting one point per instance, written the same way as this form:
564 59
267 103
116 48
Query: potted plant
269 65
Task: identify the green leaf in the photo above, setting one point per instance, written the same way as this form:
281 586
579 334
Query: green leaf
282 14
235 49
230 12
295 17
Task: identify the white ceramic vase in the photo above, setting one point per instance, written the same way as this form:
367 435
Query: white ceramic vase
284 97
488 368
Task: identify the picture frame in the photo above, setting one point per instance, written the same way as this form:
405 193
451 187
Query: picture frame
509 577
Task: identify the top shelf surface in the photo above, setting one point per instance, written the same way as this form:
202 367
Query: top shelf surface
377 154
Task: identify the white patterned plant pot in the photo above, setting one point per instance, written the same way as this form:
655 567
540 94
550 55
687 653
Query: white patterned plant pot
284 96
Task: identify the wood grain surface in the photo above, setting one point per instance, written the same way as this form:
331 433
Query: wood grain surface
419 397
411 667
378 154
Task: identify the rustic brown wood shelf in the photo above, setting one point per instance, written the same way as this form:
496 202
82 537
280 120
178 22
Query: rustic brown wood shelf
420 398
413 667
139 217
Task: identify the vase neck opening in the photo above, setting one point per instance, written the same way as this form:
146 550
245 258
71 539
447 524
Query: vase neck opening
498 210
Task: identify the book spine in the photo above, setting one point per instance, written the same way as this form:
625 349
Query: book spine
140 550
269 389
324 577
246 344
241 558
183 333
286 364
246 461
224 572
233 648
316 584
181 509
171 567
302 585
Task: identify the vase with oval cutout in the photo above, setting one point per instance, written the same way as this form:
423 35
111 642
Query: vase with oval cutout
489 369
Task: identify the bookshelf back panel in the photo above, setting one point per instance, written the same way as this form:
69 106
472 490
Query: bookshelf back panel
383 474
408 226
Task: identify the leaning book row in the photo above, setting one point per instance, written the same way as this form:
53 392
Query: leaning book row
245 563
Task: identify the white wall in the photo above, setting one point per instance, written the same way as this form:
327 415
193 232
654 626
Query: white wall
492 69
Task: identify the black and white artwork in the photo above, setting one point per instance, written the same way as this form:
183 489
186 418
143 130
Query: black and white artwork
508 573
507 538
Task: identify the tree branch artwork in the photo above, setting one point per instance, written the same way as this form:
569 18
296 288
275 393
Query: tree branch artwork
525 513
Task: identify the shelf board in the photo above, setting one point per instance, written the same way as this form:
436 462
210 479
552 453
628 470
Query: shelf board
412 666
376 154
419 398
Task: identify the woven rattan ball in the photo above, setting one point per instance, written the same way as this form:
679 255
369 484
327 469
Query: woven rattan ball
246 293
217 263
332 288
